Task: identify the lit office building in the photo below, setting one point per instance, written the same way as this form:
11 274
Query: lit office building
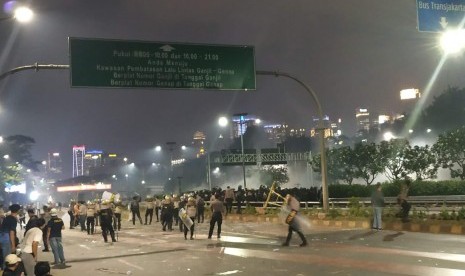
248 120
326 125
93 159
362 117
78 160
54 167
198 143
276 132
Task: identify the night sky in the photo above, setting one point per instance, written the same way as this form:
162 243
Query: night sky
353 53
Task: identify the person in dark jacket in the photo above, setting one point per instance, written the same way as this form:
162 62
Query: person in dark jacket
377 201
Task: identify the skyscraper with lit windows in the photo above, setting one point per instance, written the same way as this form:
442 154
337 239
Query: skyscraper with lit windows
78 160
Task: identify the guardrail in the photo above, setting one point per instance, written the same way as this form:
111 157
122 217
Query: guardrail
414 200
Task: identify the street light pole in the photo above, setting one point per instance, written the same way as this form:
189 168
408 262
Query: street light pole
321 128
241 121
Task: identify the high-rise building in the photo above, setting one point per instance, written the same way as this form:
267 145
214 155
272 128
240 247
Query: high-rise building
247 120
276 132
199 143
54 168
362 117
93 159
78 160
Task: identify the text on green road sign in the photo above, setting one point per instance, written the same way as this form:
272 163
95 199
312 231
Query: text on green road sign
136 64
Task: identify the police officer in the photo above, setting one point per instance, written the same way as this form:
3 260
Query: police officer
106 216
90 221
118 211
167 213
149 210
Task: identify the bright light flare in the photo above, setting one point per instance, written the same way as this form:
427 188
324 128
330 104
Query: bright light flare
158 148
453 41
388 136
23 14
223 121
34 195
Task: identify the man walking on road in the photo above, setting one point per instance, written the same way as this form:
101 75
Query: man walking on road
293 206
55 225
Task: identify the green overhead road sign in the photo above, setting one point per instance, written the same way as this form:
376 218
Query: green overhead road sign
138 64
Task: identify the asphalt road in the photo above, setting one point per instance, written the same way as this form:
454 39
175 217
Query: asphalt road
255 249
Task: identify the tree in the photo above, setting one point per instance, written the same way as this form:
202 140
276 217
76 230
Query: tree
339 164
421 161
367 162
446 112
14 155
272 173
450 152
392 156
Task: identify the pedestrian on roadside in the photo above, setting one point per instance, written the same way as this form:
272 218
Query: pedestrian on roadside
217 209
293 205
377 201
30 246
8 232
54 237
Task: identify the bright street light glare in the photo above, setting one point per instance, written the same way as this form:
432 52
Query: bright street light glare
223 121
34 195
453 41
388 136
23 14
183 147
158 148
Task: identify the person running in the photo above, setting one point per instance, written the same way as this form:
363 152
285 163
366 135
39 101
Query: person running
55 226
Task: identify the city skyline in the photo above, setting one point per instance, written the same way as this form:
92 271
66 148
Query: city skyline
352 53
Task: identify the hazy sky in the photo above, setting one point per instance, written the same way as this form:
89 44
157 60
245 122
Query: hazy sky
353 53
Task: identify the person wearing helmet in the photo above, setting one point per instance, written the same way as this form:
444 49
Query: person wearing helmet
191 210
118 211
106 216
90 221
167 214
149 210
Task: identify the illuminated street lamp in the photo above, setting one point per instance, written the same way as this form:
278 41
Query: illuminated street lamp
453 41
22 14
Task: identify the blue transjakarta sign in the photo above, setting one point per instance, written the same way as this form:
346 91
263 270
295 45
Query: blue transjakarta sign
440 15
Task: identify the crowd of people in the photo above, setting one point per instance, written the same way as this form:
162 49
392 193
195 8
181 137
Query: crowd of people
170 211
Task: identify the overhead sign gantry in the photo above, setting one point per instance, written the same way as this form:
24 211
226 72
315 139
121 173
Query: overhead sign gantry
138 64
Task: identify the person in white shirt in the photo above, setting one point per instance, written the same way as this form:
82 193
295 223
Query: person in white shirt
30 245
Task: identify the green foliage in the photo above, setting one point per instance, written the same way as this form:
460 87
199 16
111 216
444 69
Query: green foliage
333 213
418 214
392 156
450 149
277 174
367 162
